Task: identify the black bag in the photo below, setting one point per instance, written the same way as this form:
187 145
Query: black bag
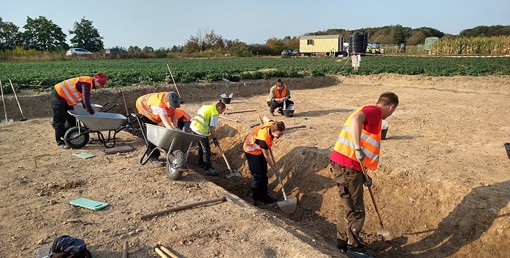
69 247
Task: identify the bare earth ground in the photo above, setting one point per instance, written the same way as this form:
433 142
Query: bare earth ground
443 186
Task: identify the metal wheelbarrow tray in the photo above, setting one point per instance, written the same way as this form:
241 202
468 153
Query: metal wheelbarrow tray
78 136
174 143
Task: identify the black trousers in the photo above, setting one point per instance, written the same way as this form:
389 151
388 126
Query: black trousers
204 153
151 146
274 104
62 120
258 169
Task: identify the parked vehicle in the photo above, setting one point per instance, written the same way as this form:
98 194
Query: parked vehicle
77 51
115 51
286 52
295 52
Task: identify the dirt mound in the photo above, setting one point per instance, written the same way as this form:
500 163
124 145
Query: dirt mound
442 186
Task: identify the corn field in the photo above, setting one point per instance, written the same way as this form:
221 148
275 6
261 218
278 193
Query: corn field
499 45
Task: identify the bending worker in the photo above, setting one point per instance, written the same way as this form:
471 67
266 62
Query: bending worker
278 94
359 142
183 120
257 145
204 123
155 108
66 95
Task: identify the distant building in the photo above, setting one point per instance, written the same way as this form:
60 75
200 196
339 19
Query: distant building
428 43
323 45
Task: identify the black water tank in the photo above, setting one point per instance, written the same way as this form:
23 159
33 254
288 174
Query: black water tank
358 43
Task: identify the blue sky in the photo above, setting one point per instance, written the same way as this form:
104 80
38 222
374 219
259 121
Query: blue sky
160 23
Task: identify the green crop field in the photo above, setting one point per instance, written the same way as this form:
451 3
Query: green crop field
43 74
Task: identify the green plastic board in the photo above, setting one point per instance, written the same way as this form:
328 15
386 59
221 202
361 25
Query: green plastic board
89 204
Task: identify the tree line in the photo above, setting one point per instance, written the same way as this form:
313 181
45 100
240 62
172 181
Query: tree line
396 34
42 34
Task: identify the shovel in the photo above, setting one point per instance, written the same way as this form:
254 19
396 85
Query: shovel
232 173
288 206
175 85
6 120
17 101
384 233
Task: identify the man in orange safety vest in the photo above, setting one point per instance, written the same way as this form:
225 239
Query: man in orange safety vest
359 141
67 94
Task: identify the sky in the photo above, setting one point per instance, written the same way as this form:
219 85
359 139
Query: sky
165 23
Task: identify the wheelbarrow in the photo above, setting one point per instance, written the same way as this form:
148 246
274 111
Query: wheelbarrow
77 137
97 107
175 144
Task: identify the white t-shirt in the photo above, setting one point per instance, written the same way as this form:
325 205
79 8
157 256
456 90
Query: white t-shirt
159 111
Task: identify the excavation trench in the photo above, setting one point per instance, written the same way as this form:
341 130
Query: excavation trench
440 193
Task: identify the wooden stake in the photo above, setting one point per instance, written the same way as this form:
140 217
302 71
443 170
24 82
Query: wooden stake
227 118
240 111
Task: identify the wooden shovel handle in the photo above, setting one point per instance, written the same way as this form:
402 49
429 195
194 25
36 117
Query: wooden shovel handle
191 205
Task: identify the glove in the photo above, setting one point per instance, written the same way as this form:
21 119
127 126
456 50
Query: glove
360 155
368 181
216 142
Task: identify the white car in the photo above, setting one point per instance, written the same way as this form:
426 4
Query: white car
77 51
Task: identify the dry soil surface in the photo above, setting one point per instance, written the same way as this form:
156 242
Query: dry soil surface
443 185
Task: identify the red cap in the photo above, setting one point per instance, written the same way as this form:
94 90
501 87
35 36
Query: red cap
101 78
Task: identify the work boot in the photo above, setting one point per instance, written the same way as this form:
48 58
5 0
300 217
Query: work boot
268 199
356 244
211 171
271 111
63 146
342 245
280 111
264 201
201 164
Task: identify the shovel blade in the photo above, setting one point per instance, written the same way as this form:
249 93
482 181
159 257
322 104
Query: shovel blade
288 206
10 120
233 174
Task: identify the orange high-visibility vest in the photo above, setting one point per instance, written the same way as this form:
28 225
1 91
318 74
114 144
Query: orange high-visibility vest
260 132
181 113
144 103
370 143
277 93
67 89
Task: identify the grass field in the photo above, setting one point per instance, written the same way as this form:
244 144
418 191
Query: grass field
43 74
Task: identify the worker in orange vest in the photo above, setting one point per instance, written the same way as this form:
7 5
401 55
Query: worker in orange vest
155 108
278 94
183 120
257 145
66 95
359 141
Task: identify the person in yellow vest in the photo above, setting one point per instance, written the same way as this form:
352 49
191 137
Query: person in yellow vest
66 95
278 94
205 123
256 149
359 141
155 108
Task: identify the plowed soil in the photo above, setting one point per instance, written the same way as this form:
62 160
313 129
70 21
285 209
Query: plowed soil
443 185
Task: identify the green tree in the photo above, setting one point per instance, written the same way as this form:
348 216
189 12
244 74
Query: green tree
42 34
86 36
134 49
9 35
204 40
488 31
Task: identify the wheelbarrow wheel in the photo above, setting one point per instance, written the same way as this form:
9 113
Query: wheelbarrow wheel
176 165
73 138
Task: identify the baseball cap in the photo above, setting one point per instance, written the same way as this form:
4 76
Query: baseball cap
101 78
173 98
